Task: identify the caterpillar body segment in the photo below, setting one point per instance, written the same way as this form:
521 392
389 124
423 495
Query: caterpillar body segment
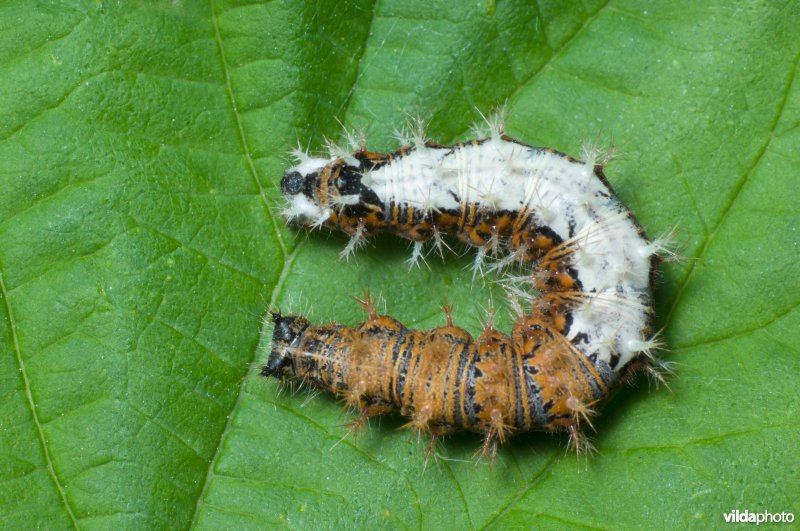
442 379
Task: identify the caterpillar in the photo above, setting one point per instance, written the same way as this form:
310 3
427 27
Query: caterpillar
581 287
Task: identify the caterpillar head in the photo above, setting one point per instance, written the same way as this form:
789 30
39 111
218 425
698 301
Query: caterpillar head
301 187
285 337
319 191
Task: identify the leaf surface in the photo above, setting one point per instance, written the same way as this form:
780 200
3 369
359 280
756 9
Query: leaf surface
141 147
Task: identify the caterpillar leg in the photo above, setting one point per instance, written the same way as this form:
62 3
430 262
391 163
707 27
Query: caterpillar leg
579 442
355 426
488 449
364 413
434 432
498 432
358 398
419 421
431 451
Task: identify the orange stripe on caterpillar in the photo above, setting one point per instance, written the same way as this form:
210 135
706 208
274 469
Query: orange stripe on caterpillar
584 304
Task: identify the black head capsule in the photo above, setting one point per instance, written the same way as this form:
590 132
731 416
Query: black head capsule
285 336
292 183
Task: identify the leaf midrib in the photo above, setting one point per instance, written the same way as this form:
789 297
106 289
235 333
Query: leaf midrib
287 260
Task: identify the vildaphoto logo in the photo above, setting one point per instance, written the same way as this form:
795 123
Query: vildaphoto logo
747 517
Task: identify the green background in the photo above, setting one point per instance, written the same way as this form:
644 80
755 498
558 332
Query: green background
141 146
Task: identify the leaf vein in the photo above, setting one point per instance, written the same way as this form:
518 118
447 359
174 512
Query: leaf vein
737 192
523 492
346 103
184 245
737 334
240 127
167 429
32 406
553 56
460 495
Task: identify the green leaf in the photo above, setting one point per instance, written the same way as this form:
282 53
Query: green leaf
141 145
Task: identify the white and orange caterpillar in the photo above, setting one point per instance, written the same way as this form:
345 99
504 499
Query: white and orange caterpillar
584 304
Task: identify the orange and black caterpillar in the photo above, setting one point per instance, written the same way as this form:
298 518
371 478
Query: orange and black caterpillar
444 379
584 307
